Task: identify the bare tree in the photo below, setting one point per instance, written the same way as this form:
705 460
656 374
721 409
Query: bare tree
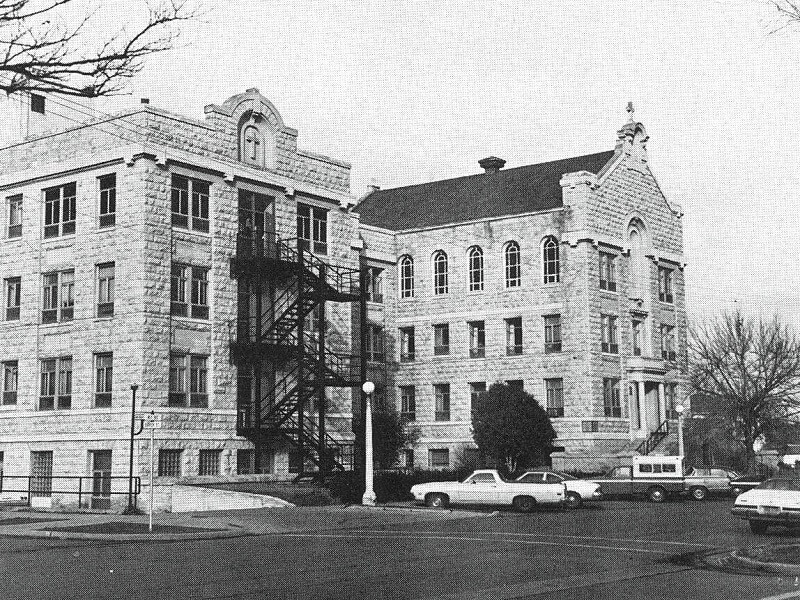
788 14
751 372
45 47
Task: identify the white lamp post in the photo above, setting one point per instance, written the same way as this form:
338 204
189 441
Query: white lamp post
679 408
369 493
152 419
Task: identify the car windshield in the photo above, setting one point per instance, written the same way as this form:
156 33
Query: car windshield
565 475
792 485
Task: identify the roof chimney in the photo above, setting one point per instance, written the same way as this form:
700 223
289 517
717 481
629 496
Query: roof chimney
491 164
373 186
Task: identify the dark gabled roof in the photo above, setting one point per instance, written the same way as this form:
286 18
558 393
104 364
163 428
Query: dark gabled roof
506 192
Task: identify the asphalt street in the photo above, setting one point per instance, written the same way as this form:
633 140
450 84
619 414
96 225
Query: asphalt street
614 550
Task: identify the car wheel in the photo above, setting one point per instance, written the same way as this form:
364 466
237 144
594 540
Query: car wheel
758 526
436 500
524 503
657 494
573 500
698 493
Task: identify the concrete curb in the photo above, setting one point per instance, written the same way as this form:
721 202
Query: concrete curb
769 567
127 537
423 509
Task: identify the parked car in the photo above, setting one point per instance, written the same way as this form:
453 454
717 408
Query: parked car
773 502
578 491
702 481
744 483
653 476
486 486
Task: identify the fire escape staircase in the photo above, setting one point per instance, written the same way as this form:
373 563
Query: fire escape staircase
301 360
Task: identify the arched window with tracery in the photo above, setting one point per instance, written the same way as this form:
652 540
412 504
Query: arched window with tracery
406 277
550 260
513 270
440 272
475 256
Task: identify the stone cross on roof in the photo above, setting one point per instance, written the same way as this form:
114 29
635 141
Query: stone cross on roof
630 111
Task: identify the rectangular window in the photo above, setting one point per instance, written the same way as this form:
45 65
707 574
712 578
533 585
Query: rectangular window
245 461
637 331
374 284
514 336
15 216
476 390
555 397
312 228
442 394
41 473
108 200
439 459
671 399
517 384
590 427
477 339
407 344
105 290
101 478
608 324
59 210
552 334
209 462
37 103
375 351
103 378
183 302
441 339
408 458
608 277
56 383
58 302
169 463
10 382
179 300
668 342
665 285
188 380
408 403
611 402
198 381
13 294
199 293
190 203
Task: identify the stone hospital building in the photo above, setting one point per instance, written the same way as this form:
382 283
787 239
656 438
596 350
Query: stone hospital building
234 279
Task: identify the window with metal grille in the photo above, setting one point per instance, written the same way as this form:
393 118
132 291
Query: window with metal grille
408 403
209 461
513 265
608 276
611 401
10 382
406 266
374 284
41 473
312 228
407 344
440 283
477 339
245 461
608 333
665 285
550 260
441 339
15 216
552 334
13 294
514 336
439 458
108 200
668 342
56 383
590 427
59 210
190 203
105 290
442 395
59 296
475 258
169 463
103 379
554 389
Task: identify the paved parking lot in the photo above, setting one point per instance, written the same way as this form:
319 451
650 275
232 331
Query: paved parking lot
617 549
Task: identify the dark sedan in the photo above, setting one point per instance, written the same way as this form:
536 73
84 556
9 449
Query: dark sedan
746 483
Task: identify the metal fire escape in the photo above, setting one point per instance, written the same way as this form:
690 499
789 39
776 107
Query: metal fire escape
281 351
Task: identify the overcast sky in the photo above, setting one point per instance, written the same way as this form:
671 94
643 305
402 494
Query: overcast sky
413 91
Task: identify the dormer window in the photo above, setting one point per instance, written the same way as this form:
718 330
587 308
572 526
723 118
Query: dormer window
252 145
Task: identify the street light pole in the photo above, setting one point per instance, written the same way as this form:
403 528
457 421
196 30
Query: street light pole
679 408
131 509
369 497
150 508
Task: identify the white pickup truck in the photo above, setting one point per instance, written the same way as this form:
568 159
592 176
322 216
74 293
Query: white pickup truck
487 487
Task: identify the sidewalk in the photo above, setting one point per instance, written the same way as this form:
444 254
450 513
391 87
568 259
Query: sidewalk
215 524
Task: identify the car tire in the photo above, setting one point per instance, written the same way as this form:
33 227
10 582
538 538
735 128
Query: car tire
657 494
698 493
758 527
524 503
437 500
573 500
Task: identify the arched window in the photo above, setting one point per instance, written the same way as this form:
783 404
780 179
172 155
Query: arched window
440 272
639 271
252 145
550 262
475 255
406 277
512 262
